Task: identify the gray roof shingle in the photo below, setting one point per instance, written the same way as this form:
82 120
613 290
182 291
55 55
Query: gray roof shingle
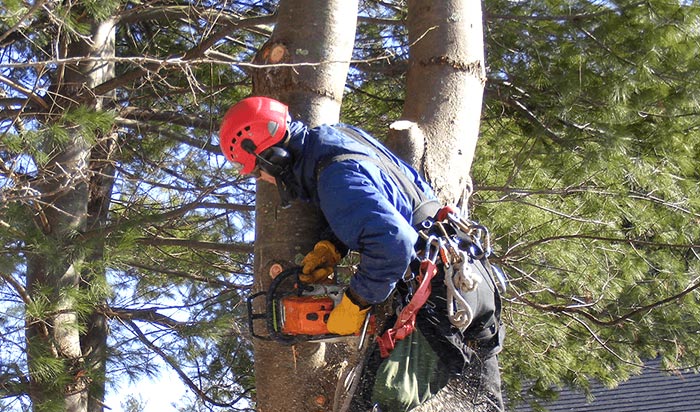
652 391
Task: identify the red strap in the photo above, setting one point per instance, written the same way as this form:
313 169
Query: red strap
406 322
443 213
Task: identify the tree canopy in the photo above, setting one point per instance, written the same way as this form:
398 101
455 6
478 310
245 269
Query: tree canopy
586 174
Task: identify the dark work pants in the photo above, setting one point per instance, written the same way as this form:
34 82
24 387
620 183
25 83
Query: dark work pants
484 378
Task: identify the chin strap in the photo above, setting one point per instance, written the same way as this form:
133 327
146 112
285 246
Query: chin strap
286 190
285 197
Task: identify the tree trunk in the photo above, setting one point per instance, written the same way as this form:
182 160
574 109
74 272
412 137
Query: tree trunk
94 340
444 92
60 378
441 118
303 377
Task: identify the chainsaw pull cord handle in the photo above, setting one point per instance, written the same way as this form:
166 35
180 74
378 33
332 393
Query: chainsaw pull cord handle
406 321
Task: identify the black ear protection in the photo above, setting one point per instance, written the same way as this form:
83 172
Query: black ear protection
274 160
277 162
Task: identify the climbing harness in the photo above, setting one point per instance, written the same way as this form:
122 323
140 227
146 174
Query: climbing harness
406 322
455 245
460 277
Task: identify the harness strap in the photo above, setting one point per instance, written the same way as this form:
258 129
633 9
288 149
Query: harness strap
406 322
423 206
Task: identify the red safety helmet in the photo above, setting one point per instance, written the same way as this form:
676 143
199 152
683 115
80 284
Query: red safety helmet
261 121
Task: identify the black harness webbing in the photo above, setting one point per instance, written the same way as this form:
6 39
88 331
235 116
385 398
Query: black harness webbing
423 206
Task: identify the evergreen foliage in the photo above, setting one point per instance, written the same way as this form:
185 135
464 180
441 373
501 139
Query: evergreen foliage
586 174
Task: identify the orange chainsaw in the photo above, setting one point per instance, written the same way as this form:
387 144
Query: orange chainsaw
297 312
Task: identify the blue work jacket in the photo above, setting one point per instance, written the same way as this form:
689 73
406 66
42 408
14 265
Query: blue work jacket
365 207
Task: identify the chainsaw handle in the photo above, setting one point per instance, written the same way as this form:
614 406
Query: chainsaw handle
252 316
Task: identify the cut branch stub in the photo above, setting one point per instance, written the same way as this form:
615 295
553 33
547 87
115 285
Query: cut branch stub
273 53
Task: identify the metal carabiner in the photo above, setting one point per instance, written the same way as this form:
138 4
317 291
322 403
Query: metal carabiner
487 239
429 254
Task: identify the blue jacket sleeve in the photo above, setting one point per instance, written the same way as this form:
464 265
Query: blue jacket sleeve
370 216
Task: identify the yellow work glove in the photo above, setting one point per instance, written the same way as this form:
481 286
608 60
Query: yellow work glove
319 263
346 318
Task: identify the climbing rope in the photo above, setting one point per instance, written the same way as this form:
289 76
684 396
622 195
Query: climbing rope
460 278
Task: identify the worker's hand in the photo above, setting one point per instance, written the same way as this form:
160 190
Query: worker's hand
347 317
319 263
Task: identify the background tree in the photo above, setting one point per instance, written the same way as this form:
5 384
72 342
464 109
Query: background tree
106 214
586 175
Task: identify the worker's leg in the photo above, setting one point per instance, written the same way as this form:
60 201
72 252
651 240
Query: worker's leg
488 396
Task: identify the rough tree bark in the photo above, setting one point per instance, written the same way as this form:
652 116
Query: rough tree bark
303 377
62 215
442 111
444 91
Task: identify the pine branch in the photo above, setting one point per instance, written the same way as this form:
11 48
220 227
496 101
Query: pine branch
518 106
13 384
555 17
560 17
21 21
630 241
27 300
573 190
187 275
146 315
169 215
612 321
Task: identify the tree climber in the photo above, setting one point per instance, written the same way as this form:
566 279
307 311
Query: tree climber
372 202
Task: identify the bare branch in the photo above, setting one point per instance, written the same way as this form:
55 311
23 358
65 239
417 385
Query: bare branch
600 341
17 286
138 113
170 362
194 244
25 91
